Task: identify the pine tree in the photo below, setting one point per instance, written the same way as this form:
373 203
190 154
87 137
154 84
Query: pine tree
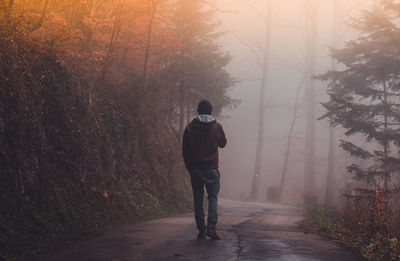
198 65
364 93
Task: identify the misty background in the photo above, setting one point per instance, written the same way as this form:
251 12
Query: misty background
245 24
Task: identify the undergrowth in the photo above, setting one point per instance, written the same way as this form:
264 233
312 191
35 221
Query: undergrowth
371 246
34 232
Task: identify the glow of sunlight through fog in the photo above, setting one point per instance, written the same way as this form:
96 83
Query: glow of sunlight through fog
244 23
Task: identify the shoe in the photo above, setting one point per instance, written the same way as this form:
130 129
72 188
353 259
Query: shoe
201 234
212 232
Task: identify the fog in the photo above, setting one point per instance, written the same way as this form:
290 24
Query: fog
244 23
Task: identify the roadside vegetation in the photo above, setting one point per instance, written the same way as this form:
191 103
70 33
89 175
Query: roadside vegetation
378 247
93 99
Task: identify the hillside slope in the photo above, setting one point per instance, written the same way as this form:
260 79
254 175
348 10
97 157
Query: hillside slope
70 167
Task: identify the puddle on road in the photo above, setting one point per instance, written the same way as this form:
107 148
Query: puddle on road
275 244
254 244
269 250
290 258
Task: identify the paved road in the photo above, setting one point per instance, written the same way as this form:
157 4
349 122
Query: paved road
250 231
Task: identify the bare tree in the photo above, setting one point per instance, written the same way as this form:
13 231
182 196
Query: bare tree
261 125
181 108
42 16
311 11
289 140
187 9
330 187
152 9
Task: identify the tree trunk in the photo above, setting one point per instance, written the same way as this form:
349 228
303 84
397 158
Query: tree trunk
309 162
10 5
386 143
260 143
181 109
330 186
185 51
188 113
43 15
152 13
289 142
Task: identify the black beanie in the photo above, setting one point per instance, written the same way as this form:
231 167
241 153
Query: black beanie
204 107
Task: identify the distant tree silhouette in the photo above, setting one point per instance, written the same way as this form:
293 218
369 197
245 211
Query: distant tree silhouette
261 107
311 20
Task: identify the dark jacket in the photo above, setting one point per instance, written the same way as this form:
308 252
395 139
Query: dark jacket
201 140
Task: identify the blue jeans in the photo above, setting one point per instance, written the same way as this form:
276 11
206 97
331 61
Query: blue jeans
210 179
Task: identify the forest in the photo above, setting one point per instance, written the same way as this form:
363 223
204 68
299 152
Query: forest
95 96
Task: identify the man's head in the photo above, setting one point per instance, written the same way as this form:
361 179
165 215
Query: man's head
204 107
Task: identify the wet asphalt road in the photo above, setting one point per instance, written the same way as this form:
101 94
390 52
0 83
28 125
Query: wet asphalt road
250 231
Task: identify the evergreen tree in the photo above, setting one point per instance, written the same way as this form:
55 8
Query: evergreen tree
364 94
198 65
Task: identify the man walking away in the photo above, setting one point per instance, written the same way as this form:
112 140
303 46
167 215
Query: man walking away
201 140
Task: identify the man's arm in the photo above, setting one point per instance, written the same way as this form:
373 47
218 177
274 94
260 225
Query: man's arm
221 137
